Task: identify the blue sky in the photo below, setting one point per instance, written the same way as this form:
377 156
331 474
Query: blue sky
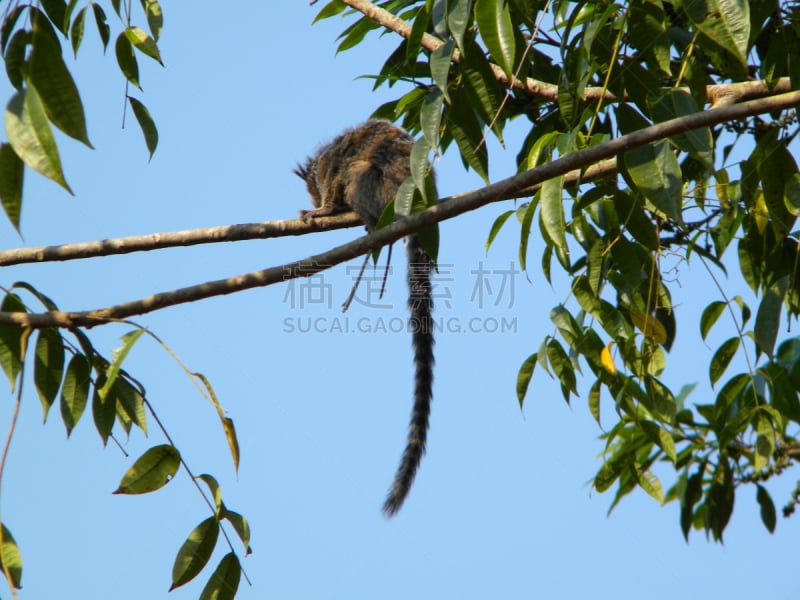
502 506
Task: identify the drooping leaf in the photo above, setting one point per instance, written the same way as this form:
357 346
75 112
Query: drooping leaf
48 367
76 31
143 43
524 377
155 18
710 315
102 24
55 86
195 552
126 60
75 391
30 135
496 227
497 31
768 317
11 558
11 179
224 581
552 212
240 525
722 358
768 515
151 471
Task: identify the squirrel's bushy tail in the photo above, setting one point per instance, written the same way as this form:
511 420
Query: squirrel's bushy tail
420 304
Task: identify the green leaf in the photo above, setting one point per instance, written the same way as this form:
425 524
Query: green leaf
75 391
710 315
465 128
496 227
11 558
57 90
48 367
331 9
768 317
672 104
655 172
224 581
497 31
131 402
155 18
594 400
11 178
765 442
430 116
213 486
525 232
195 552
659 400
440 60
102 24
722 358
690 497
104 408
126 60
524 377
719 501
552 212
725 22
768 515
30 135
57 10
11 340
9 23
458 19
143 43
650 484
15 57
76 31
120 354
151 471
240 525
661 437
146 124
481 85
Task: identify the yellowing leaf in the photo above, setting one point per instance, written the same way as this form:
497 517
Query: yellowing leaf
607 360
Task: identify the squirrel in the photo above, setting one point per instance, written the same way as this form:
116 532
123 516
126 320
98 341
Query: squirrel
360 171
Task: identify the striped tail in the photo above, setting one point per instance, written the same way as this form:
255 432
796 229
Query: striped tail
420 304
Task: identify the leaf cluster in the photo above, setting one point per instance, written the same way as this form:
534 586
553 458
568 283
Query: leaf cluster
46 93
582 73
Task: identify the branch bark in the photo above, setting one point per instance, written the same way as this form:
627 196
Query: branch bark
447 209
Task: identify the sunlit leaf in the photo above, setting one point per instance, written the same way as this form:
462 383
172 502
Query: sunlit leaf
224 580
151 471
143 43
30 135
497 31
241 526
11 558
195 552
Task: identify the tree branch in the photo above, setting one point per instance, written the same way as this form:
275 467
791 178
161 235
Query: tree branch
448 208
190 237
716 95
